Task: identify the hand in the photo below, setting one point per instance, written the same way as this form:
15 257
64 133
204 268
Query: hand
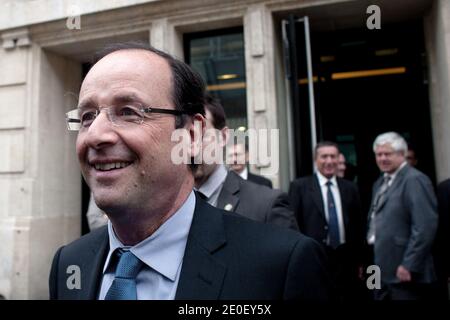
403 274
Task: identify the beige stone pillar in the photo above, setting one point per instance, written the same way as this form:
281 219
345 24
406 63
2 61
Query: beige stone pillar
437 39
39 177
165 37
261 88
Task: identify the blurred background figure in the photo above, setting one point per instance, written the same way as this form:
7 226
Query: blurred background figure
237 159
341 167
411 157
328 209
442 241
225 189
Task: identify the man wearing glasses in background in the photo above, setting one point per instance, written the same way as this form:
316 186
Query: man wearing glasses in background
162 241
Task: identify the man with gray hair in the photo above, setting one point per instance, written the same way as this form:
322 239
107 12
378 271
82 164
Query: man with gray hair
402 223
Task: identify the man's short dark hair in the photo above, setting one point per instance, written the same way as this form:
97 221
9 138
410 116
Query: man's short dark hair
188 87
216 109
325 144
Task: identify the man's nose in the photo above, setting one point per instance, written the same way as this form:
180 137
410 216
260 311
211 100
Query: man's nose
101 132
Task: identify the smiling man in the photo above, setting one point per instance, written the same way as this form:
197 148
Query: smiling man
163 241
402 223
327 208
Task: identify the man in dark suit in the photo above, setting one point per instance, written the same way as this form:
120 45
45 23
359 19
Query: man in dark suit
227 190
162 241
402 223
441 247
238 159
328 210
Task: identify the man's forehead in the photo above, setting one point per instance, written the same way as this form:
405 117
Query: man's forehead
327 150
127 68
130 61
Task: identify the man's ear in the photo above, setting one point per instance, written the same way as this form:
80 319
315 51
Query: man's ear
225 133
196 132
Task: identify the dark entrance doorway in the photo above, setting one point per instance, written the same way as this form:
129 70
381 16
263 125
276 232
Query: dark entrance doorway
367 82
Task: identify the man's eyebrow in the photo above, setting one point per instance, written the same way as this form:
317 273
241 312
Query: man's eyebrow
121 98
124 98
86 104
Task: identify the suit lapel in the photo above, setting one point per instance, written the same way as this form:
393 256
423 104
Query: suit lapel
202 274
345 202
316 195
229 195
92 266
397 181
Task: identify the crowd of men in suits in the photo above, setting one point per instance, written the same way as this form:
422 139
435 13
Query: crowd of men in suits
185 232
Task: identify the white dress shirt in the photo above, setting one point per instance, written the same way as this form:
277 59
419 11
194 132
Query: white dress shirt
212 187
337 200
244 174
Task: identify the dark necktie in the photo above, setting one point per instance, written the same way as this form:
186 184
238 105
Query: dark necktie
124 284
333 224
377 200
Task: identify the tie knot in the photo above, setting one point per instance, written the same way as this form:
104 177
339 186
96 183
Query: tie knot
329 183
128 266
387 179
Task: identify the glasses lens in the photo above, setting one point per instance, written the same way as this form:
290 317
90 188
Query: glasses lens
127 114
73 120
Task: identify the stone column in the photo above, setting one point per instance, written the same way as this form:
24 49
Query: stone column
437 39
39 176
165 37
261 89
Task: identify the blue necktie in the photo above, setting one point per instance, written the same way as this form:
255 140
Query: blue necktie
124 284
333 225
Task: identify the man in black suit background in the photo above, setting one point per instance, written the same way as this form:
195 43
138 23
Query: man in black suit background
328 209
441 247
227 190
238 159
162 241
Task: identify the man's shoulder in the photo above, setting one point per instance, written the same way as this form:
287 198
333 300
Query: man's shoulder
262 235
444 184
259 179
414 175
93 239
346 184
304 181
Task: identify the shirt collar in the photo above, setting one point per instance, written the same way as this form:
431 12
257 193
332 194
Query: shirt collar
393 175
163 251
215 180
323 180
244 173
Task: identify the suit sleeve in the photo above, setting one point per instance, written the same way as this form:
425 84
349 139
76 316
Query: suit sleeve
307 276
443 233
53 279
422 205
295 202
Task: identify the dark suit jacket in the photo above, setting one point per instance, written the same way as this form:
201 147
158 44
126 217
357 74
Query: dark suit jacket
306 200
406 223
226 257
442 242
259 180
256 202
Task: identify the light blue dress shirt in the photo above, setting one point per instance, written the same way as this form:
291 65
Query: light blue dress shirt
162 254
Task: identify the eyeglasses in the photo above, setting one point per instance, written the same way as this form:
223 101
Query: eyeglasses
123 115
